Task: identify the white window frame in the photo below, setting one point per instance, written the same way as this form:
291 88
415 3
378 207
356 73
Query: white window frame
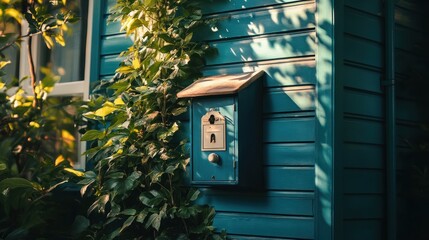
80 87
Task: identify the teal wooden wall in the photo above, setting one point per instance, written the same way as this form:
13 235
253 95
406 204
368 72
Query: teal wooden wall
360 72
411 36
280 38
360 156
323 140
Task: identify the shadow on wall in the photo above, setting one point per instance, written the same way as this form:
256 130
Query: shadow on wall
279 37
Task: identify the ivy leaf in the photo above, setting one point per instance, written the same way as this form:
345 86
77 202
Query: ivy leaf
129 212
87 183
187 212
136 63
92 135
149 3
48 40
60 40
132 180
104 111
125 69
99 204
141 216
127 223
167 48
154 221
170 169
193 194
188 38
178 111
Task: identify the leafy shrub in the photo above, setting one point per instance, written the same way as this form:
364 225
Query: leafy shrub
137 148
34 143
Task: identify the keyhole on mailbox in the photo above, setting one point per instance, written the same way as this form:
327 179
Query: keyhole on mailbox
213 138
212 119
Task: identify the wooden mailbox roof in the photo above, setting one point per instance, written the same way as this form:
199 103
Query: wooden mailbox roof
219 85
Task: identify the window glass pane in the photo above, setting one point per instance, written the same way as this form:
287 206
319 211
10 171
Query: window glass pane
61 136
69 61
12 69
11 53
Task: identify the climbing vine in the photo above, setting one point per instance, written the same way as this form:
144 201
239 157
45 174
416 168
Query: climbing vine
134 124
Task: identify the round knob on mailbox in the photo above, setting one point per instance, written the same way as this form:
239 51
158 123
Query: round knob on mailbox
213 158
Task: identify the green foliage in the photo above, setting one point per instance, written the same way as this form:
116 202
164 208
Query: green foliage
37 142
139 153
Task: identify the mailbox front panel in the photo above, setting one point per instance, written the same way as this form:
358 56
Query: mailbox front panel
213 141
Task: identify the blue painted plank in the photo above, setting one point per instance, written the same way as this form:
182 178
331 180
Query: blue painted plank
283 130
363 51
364 181
365 104
364 25
115 44
363 156
218 6
409 110
289 99
371 6
363 131
406 61
409 131
364 229
284 203
364 206
290 178
241 237
362 78
258 22
266 225
109 64
291 154
108 6
263 48
407 39
110 28
300 71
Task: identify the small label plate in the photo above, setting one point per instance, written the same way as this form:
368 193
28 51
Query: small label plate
213 132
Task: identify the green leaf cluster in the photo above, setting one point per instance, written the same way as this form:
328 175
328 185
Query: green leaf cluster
37 140
139 153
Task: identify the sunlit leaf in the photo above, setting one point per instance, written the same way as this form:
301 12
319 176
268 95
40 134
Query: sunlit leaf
75 172
34 124
136 63
48 40
125 69
14 13
59 160
67 137
3 64
60 40
119 101
104 111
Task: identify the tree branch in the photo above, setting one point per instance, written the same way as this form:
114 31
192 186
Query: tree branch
32 70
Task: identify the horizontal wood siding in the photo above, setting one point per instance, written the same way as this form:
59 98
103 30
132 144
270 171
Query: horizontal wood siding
363 112
279 38
411 38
